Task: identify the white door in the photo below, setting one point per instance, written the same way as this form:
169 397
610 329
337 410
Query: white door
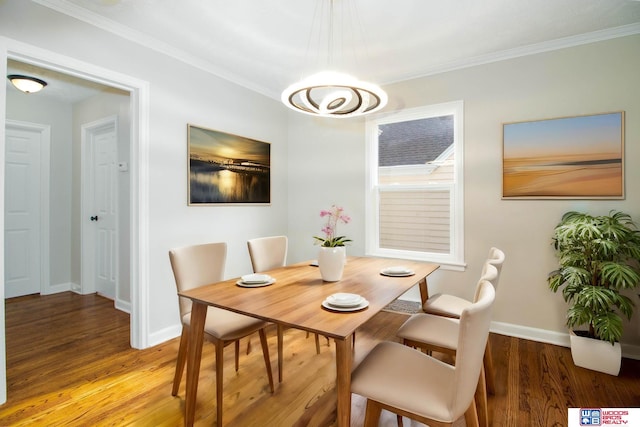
100 143
22 211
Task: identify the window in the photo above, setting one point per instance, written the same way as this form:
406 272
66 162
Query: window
415 197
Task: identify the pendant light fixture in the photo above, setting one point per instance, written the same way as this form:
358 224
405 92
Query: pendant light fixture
26 84
332 93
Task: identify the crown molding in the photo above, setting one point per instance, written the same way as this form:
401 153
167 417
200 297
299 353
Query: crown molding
533 49
150 42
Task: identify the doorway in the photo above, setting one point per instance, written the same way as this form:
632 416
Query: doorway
137 112
82 175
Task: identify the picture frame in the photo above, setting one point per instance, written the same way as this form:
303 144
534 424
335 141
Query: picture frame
578 157
224 168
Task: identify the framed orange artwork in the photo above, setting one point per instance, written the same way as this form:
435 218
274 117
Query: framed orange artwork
578 157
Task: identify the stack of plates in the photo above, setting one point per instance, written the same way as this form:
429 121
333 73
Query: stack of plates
398 271
255 280
345 302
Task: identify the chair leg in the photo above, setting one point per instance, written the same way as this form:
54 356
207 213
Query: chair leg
471 415
372 414
482 411
248 345
489 371
399 420
267 359
181 361
317 344
219 369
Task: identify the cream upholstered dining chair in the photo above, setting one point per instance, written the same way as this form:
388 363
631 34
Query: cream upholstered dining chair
195 266
430 332
267 253
410 383
451 306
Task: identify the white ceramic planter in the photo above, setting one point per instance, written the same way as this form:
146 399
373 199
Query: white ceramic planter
331 263
595 354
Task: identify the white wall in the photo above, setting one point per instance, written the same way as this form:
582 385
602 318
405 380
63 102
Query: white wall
326 165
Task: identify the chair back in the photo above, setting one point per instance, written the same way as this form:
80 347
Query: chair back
195 266
496 258
472 340
267 253
490 274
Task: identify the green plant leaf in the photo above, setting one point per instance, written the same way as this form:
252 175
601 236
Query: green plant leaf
608 327
619 276
578 315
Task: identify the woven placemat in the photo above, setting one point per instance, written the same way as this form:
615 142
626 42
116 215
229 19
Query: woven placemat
403 306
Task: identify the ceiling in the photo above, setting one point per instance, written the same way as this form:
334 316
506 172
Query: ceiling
267 45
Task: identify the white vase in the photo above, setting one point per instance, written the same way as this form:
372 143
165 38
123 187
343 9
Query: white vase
596 355
331 263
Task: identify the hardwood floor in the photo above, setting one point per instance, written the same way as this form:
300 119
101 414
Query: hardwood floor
70 364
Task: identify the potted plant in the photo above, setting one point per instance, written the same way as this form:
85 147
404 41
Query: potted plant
599 257
332 256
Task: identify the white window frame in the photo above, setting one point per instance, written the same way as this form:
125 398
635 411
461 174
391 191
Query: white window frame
455 259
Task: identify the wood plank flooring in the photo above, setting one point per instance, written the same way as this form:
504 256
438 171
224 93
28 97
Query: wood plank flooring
70 364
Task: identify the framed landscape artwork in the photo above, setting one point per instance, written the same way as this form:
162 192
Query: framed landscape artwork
225 168
565 158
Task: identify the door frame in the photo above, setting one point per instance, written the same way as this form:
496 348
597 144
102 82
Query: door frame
88 262
139 171
45 155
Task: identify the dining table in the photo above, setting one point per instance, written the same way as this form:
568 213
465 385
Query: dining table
296 298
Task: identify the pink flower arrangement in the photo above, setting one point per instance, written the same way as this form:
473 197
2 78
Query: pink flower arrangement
334 215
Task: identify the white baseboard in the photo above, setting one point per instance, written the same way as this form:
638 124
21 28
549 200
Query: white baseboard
165 335
123 306
551 337
54 289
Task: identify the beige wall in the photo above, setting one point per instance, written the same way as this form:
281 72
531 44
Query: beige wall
588 79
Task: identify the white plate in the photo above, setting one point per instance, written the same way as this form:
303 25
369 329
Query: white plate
363 304
255 278
255 284
344 300
397 272
398 269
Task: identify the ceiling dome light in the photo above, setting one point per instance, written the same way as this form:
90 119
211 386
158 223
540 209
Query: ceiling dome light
26 84
333 94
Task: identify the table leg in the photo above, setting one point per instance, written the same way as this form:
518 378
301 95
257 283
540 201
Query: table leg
194 355
344 359
280 348
424 290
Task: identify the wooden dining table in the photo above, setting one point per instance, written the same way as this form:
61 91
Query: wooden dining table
295 300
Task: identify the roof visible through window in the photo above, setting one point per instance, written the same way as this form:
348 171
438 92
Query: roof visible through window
414 142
